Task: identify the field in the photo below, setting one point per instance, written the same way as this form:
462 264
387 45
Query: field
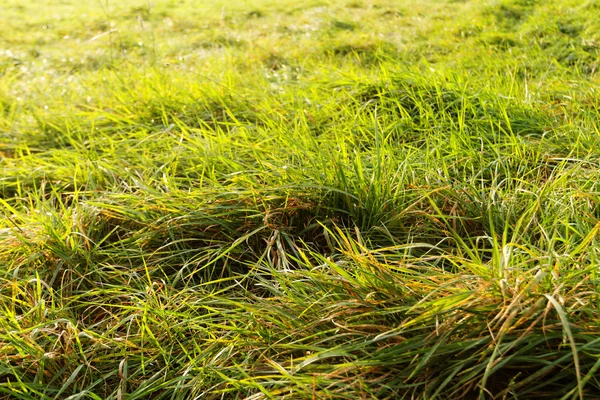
318 199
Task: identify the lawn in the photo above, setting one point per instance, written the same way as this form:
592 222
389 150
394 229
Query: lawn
318 199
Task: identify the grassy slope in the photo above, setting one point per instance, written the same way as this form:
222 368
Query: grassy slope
309 199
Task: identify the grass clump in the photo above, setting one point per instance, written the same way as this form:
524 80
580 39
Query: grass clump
363 199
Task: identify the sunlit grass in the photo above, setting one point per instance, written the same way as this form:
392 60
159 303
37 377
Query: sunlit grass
269 199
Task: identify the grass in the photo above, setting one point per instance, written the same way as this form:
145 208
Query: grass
321 199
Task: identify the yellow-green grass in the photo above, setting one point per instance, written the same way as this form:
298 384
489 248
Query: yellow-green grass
319 199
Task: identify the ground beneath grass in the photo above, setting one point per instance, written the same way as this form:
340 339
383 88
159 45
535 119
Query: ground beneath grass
299 199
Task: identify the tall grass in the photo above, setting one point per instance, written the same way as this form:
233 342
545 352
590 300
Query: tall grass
355 199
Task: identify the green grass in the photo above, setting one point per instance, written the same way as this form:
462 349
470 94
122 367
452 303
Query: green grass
320 199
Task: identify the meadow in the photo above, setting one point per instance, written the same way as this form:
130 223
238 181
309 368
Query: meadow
317 199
